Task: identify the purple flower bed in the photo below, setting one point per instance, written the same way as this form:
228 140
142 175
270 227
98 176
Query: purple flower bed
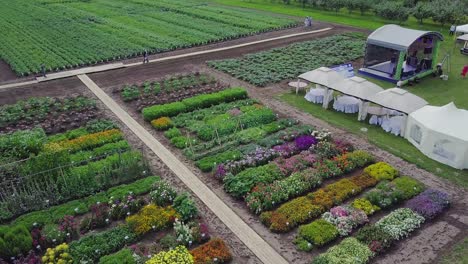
430 203
286 150
304 142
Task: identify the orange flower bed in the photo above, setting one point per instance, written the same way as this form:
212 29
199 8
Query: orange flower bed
214 249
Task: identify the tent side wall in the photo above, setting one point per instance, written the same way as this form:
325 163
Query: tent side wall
435 145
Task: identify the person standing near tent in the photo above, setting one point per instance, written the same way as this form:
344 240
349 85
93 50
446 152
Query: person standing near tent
453 28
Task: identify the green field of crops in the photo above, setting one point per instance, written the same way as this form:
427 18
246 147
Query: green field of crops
279 64
69 33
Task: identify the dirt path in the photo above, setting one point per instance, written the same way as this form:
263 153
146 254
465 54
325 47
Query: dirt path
251 239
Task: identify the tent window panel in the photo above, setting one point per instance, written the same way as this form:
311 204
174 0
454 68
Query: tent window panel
416 134
442 149
381 59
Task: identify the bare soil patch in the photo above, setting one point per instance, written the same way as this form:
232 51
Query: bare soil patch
6 73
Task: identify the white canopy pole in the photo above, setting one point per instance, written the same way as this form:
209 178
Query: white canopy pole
363 106
326 97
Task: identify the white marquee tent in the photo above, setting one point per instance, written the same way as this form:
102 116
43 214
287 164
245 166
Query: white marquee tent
462 29
441 133
324 77
360 88
399 100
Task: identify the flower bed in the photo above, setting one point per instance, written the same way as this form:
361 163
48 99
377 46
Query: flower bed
346 218
305 208
266 196
64 166
214 251
375 239
430 203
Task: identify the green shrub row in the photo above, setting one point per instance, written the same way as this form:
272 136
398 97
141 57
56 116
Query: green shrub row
184 119
124 256
22 144
203 149
100 152
190 104
208 163
240 184
92 247
246 120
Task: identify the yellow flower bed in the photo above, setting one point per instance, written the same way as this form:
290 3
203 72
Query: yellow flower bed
179 255
86 141
152 217
57 255
382 171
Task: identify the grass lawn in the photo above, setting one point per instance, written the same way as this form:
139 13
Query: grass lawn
393 144
458 254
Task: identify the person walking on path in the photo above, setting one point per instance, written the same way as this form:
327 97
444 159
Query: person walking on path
43 70
146 57
453 28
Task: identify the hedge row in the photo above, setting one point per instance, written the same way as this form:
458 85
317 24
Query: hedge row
193 103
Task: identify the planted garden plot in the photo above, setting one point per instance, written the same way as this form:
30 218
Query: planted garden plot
280 64
296 179
83 195
87 32
170 89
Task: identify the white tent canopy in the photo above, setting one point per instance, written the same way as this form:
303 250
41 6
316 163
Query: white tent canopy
463 37
462 29
357 87
325 77
396 37
441 133
360 88
398 99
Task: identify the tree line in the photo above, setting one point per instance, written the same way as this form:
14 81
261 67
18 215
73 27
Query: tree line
440 11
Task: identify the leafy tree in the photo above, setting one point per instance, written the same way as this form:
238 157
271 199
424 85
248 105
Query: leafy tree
363 5
447 11
421 11
335 5
392 11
